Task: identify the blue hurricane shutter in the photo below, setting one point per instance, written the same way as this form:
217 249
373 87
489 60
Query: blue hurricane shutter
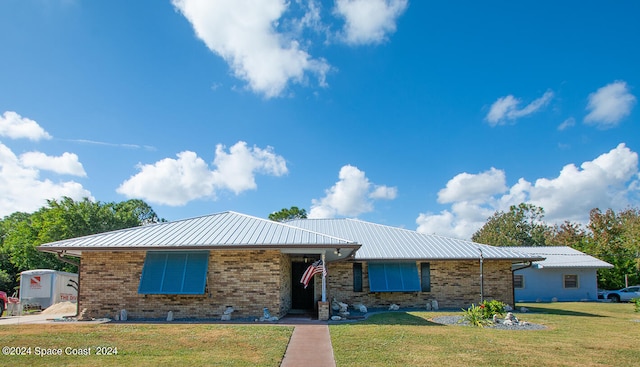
410 278
377 277
174 272
393 277
196 279
152 273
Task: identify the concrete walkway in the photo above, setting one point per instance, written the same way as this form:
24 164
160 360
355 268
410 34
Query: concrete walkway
310 346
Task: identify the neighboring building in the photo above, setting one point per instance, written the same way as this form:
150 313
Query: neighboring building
198 267
566 274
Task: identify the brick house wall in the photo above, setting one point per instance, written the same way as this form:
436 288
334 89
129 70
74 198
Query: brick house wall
454 284
252 279
246 280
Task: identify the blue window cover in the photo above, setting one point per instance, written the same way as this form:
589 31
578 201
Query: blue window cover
167 272
393 277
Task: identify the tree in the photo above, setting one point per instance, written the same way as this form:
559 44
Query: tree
614 239
567 234
288 214
62 219
522 225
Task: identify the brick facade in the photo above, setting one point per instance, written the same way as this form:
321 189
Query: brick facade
454 284
246 280
252 279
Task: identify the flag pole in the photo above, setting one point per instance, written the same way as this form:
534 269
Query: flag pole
324 278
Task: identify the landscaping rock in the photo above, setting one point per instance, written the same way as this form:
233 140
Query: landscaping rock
457 320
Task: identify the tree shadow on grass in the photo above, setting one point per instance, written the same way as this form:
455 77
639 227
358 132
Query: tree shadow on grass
553 311
397 318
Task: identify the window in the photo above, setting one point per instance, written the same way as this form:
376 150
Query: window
393 277
518 281
357 277
571 281
425 277
167 272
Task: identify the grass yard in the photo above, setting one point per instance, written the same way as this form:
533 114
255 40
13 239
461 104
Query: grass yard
578 334
148 344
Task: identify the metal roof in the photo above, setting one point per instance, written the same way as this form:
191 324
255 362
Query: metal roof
222 230
380 242
563 257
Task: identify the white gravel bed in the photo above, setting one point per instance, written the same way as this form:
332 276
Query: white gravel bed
456 320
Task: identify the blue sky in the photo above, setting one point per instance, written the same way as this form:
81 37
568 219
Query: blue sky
419 114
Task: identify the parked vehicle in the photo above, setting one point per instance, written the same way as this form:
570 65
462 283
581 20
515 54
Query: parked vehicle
3 302
623 295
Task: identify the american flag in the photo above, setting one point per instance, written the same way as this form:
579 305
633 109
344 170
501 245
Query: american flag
313 269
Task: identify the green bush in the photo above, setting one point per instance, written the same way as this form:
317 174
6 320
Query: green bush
636 302
490 308
474 315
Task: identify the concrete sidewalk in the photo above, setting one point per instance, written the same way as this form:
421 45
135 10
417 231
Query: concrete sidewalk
310 346
44 319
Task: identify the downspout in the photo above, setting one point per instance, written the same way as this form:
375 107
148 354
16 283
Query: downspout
68 261
513 290
481 276
79 265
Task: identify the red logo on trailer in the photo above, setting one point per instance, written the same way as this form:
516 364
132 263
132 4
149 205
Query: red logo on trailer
35 282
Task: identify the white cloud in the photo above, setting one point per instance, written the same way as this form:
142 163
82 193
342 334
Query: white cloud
171 181
21 188
609 181
67 163
236 170
14 126
175 182
352 195
244 33
570 122
609 105
469 187
603 182
506 108
369 21
384 192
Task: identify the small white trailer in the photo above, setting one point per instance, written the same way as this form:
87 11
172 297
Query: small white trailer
42 288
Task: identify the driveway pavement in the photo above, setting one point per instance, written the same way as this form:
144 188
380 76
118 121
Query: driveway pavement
37 319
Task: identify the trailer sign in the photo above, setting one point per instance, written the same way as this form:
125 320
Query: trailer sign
36 282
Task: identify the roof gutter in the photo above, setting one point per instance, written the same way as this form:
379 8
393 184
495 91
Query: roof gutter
61 257
528 264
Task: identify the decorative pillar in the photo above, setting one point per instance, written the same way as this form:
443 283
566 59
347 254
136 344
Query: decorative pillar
323 311
324 278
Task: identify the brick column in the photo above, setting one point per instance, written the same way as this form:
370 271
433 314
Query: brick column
323 311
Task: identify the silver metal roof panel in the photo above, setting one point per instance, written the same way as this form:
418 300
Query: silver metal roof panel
222 230
380 242
563 257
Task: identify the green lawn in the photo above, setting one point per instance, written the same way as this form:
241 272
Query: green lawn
148 344
578 334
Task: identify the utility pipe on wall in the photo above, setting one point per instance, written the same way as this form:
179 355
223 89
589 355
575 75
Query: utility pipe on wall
481 276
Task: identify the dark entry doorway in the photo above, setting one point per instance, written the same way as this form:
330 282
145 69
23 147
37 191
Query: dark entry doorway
301 298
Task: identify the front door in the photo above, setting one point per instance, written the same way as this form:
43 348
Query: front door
301 298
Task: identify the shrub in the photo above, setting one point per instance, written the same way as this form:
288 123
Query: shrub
636 302
492 307
474 315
